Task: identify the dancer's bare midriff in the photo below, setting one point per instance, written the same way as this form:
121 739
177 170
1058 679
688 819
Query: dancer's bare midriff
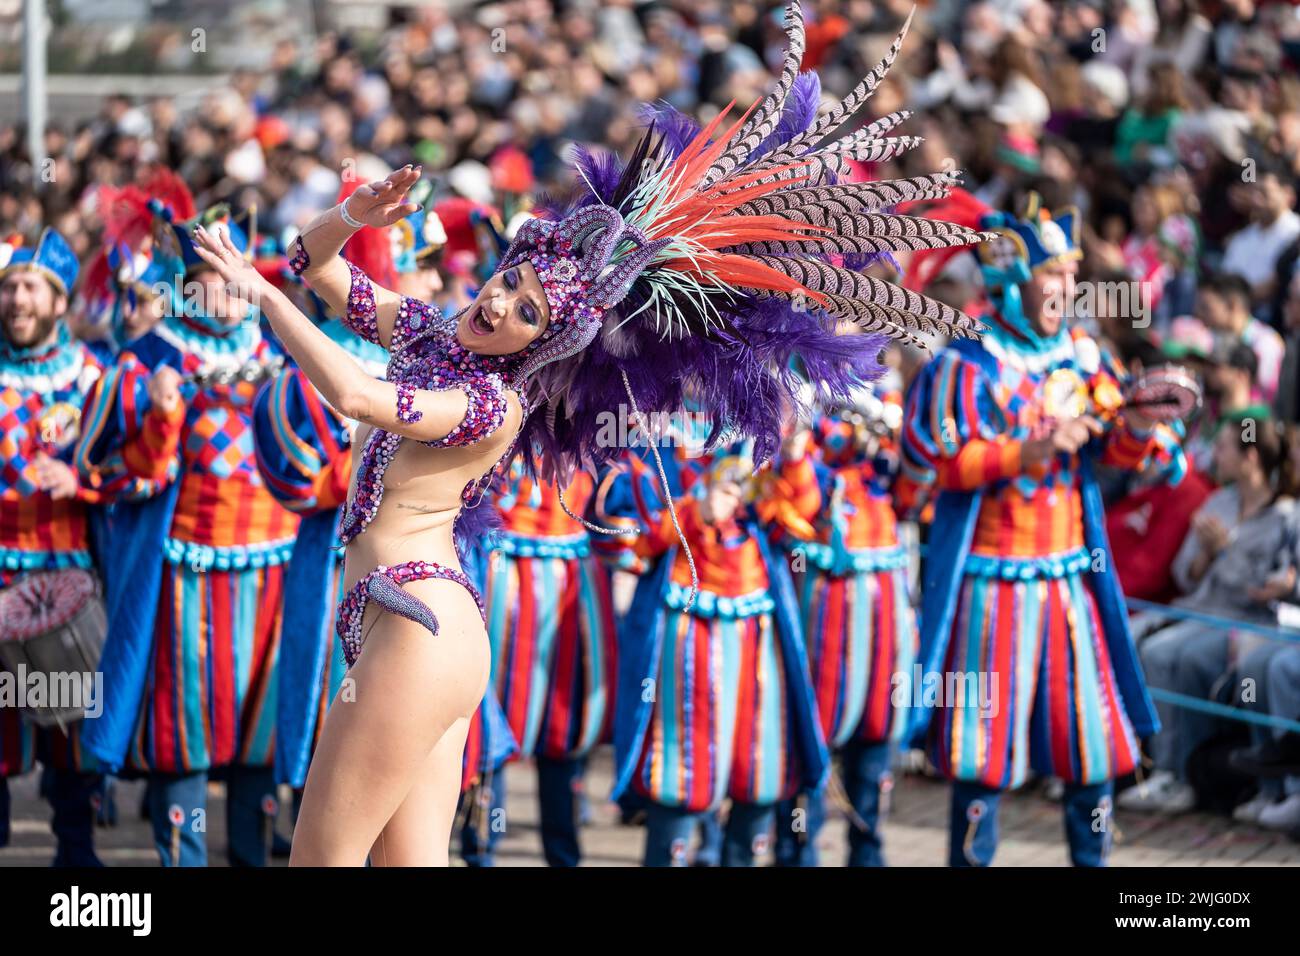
421 500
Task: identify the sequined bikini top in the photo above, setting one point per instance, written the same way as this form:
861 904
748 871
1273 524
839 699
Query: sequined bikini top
424 355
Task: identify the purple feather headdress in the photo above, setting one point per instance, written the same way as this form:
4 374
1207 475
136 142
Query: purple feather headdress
712 264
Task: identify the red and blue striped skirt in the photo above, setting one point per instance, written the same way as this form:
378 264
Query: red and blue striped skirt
860 630
211 694
550 621
1049 699
720 724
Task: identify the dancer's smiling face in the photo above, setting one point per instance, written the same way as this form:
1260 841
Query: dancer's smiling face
508 314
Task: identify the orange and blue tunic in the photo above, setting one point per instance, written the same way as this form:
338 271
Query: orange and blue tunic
715 700
1019 593
41 396
197 670
550 620
857 615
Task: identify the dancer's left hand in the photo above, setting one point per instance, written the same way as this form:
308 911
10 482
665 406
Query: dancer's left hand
383 202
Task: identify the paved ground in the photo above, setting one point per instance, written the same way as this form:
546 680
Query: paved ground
915 832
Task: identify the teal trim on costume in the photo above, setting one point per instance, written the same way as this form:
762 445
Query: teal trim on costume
354 344
851 560
28 361
1028 569
12 559
235 557
709 604
524 546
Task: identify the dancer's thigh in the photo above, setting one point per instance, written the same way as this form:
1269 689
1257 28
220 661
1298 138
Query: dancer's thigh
419 833
406 690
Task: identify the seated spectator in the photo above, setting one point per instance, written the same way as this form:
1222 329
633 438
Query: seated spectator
1223 304
1238 561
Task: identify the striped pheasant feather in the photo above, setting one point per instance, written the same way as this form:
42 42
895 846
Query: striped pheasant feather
761 124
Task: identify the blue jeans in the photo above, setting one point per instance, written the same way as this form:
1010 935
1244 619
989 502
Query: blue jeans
1189 658
1274 669
178 811
669 830
973 823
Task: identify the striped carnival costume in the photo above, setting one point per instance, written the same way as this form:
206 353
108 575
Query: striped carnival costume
714 700
43 386
550 621
1025 645
194 634
851 576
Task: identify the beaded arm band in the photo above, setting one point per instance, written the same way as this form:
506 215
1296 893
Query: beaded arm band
486 411
299 261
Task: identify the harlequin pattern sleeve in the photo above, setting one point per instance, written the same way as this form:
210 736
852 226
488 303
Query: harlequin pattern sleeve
127 449
301 444
954 432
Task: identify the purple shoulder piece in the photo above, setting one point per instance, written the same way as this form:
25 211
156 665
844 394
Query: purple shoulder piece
415 319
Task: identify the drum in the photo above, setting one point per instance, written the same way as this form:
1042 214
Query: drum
53 623
1164 393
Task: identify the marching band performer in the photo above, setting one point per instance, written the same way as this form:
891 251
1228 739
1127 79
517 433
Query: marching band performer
550 621
850 572
714 699
194 629
1020 596
44 515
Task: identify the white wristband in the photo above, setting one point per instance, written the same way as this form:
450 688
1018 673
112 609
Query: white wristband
348 220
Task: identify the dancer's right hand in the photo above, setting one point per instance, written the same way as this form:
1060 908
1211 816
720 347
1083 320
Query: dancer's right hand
382 202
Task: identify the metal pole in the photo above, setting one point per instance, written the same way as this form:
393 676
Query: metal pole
34 96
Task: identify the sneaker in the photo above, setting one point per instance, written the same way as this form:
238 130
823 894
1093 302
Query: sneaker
1162 792
1249 811
1281 816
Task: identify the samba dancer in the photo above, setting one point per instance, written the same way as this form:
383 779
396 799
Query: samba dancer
44 515
193 634
693 264
304 453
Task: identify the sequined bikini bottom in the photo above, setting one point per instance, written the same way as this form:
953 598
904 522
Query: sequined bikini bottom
384 585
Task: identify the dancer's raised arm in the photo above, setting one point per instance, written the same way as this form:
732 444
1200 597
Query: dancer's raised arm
422 414
316 250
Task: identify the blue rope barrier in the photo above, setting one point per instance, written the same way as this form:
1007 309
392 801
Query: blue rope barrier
1223 710
1285 635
